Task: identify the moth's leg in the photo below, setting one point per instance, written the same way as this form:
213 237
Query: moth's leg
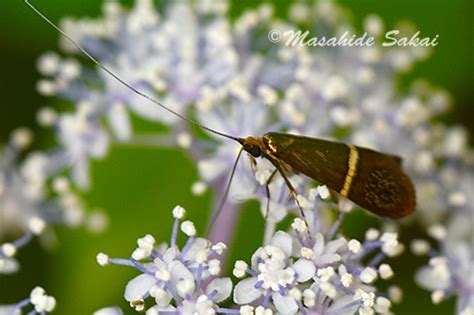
253 166
340 214
226 193
267 191
292 189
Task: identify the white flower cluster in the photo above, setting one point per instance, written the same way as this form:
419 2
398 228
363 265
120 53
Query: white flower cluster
176 280
302 272
309 272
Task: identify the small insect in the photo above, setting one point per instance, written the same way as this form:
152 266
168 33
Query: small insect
373 180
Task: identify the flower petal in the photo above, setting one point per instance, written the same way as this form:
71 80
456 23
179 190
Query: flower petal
338 307
284 241
284 304
334 246
223 286
197 245
305 270
426 278
245 292
318 247
111 310
9 265
120 122
138 287
155 310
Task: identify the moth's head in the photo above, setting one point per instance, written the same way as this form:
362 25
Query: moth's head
254 146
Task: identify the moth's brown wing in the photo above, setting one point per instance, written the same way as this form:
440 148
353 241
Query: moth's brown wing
377 182
380 185
324 161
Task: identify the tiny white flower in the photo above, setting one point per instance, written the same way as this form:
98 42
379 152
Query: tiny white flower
437 296
437 231
198 188
46 117
36 225
48 64
36 292
372 234
299 225
354 246
296 293
102 259
184 140
323 192
45 304
41 301
145 247
420 247
8 249
457 199
219 248
268 95
385 271
260 310
240 267
22 137
214 267
60 184
368 275
246 310
382 305
328 289
307 253
367 298
178 212
188 228
390 245
325 274
395 294
201 256
346 279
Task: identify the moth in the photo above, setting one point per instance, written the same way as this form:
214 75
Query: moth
373 180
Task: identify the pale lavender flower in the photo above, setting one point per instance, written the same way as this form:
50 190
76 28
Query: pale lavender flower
315 270
179 280
41 302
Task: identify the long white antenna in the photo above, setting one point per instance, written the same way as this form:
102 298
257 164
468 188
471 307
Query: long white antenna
124 83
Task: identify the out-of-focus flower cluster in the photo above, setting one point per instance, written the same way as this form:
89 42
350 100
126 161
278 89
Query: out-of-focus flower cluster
229 76
41 303
34 196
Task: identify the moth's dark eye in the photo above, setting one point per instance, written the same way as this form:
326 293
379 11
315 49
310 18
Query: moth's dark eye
256 151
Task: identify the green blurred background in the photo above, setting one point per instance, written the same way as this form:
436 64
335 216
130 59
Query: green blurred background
139 187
